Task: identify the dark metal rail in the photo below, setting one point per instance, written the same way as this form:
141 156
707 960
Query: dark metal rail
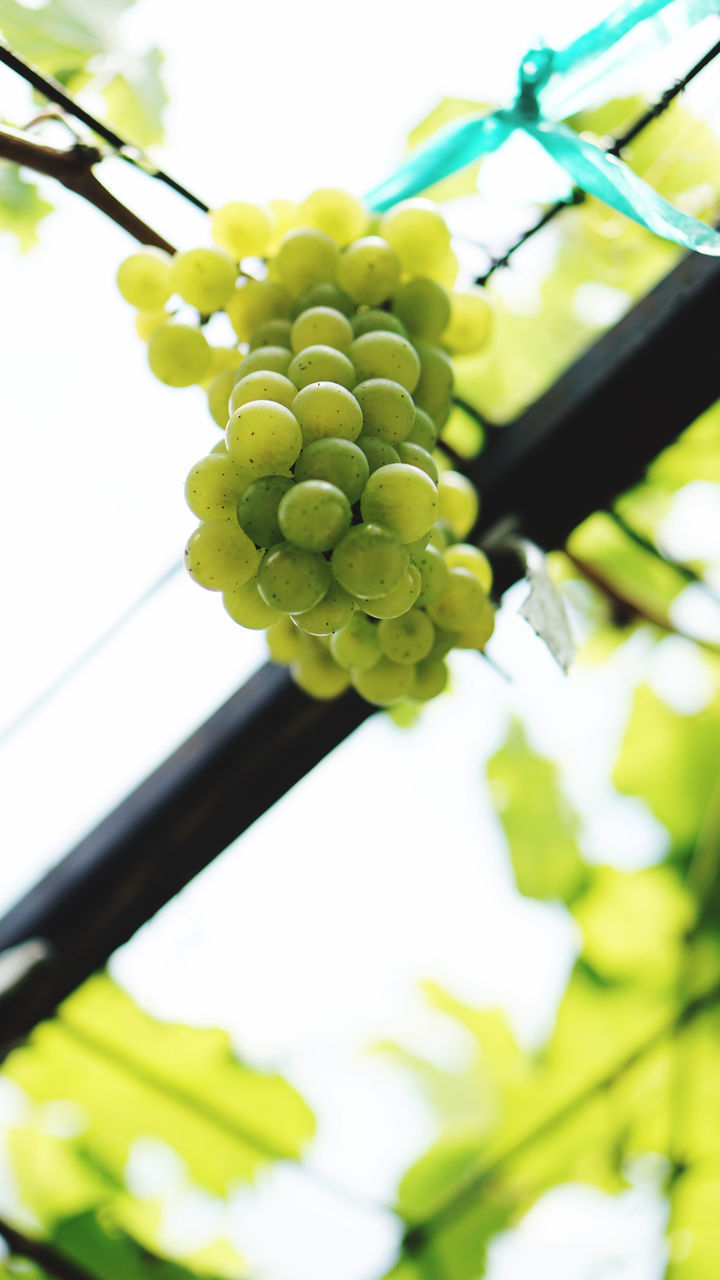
586 440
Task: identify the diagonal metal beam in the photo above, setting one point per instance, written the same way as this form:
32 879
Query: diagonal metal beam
586 440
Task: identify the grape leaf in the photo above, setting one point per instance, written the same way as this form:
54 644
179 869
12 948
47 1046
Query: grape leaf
21 206
134 1076
135 99
540 826
109 1253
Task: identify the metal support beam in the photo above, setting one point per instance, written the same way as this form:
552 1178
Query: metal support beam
586 440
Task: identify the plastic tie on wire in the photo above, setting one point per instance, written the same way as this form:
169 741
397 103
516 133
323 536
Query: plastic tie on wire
551 85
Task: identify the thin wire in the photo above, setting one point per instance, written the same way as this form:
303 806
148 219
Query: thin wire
128 151
614 147
49 692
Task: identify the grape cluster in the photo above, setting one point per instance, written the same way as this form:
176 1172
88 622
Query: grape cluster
328 515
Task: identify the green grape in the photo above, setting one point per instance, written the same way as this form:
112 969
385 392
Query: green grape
243 230
144 279
469 323
222 360
203 277
397 601
429 680
265 360
387 409
477 634
317 674
218 394
283 215
321 326
178 354
442 644
323 294
433 574
213 487
423 306
440 534
386 355
434 388
330 615
257 509
284 642
459 503
327 409
369 270
292 579
263 385
314 515
255 301
356 645
369 561
337 213
407 639
371 320
462 602
464 556
424 432
338 461
263 438
305 257
378 452
271 333
247 607
384 683
219 555
415 456
321 364
401 498
419 235
146 322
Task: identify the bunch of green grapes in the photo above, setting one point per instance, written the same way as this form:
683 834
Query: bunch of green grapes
328 516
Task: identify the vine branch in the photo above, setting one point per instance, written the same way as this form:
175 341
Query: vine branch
72 167
54 92
46 1256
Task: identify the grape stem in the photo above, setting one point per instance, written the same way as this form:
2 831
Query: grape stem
72 167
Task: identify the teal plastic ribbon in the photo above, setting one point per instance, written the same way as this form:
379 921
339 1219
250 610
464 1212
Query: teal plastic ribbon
549 80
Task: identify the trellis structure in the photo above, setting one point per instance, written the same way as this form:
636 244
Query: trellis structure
569 454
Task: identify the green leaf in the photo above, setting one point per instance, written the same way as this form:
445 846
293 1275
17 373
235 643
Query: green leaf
634 925
109 1253
671 762
21 206
78 43
135 99
539 824
695 1225
134 1076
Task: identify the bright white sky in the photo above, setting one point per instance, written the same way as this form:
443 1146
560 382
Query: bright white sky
385 866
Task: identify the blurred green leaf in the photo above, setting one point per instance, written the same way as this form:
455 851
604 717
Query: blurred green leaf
540 826
135 1076
634 925
135 99
671 761
21 206
109 1253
